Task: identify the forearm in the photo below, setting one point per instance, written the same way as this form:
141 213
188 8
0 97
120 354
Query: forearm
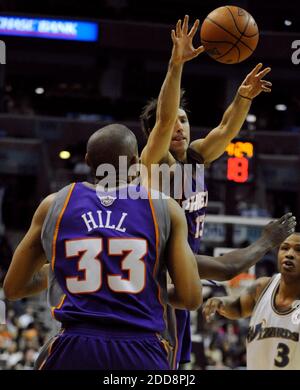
240 260
173 298
169 97
231 264
36 285
39 281
189 301
231 308
235 116
158 144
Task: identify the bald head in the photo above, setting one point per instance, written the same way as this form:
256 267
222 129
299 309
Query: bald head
108 143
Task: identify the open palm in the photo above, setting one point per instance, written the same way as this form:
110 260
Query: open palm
183 48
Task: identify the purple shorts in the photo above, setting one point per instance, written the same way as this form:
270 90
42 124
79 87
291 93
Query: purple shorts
85 347
183 336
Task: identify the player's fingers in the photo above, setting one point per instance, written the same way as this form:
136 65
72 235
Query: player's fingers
178 28
293 227
199 50
247 79
210 309
292 223
266 83
266 89
285 217
292 219
255 70
208 314
185 25
261 74
194 28
213 309
173 36
292 230
206 308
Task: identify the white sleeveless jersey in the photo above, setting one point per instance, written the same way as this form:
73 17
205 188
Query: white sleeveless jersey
273 336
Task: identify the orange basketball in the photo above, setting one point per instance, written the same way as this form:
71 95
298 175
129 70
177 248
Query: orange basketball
229 34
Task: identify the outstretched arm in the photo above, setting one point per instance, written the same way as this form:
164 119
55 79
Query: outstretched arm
235 307
158 143
27 274
215 143
233 263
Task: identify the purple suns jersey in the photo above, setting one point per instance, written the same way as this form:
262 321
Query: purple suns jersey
106 258
194 205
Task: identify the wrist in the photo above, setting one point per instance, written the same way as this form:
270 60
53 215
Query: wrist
265 244
244 97
173 63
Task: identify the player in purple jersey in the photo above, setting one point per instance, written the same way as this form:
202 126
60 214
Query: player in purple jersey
107 279
172 143
109 255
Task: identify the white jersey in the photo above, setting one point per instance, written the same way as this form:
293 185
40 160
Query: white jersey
273 336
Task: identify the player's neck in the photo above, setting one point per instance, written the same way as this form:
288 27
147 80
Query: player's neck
181 156
118 182
289 289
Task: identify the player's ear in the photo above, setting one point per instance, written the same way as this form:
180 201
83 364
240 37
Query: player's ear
87 160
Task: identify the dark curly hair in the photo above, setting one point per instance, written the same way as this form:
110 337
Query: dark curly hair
148 115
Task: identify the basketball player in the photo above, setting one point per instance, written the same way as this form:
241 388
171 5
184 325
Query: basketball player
274 307
171 143
109 256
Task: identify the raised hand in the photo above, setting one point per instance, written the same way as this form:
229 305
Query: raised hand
183 48
277 231
254 84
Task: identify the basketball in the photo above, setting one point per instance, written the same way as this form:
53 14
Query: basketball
229 34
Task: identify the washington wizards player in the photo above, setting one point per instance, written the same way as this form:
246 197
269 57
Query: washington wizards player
109 255
274 306
171 145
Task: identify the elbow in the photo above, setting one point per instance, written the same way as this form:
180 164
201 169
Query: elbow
11 296
194 302
10 292
194 305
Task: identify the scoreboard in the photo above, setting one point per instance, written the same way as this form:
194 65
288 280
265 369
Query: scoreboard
240 155
237 164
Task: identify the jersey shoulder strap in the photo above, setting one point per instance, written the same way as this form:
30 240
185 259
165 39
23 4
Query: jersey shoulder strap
49 225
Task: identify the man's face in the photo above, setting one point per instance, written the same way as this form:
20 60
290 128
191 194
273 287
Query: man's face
289 256
181 134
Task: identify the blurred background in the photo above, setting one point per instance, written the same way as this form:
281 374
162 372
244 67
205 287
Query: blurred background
55 92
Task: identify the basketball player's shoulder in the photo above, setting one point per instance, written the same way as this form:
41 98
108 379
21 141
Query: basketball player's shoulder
262 282
47 202
44 207
258 287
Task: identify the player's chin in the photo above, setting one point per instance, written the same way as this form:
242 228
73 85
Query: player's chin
290 270
178 146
